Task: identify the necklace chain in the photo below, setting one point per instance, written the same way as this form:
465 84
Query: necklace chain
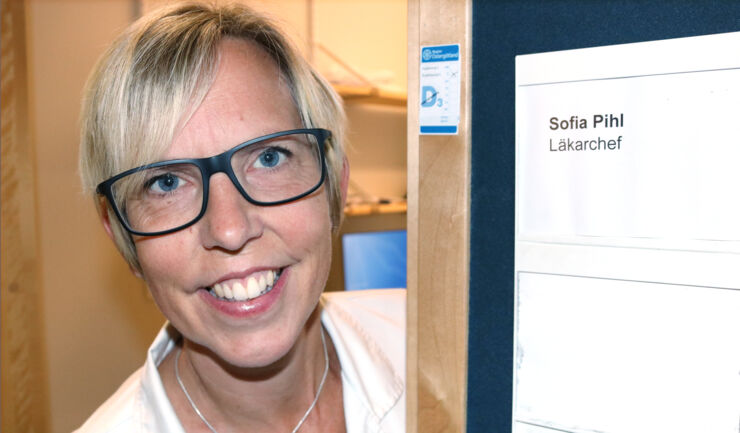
305 415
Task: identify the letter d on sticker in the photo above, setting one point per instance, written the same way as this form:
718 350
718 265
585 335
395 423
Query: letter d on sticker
428 96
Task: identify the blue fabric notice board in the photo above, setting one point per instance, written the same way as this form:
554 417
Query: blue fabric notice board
501 31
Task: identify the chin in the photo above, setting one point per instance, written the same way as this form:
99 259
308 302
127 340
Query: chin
270 356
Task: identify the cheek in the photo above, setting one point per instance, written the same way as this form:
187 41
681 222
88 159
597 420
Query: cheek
166 264
307 233
164 258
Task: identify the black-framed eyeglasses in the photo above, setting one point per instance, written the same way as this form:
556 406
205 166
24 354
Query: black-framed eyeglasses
166 196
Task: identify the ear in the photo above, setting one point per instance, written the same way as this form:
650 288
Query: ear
105 219
344 180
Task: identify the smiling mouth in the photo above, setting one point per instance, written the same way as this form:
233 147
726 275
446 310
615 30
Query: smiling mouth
244 290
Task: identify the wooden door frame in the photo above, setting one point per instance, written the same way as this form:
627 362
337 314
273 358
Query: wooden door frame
438 234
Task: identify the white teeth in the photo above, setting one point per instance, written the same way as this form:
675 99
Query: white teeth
253 287
240 293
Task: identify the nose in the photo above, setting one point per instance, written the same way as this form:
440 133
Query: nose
230 221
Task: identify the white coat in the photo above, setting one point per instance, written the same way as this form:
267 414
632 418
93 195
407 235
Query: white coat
368 329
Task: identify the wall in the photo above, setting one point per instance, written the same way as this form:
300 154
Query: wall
98 318
377 149
23 374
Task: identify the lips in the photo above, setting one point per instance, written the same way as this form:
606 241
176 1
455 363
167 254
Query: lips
249 307
245 289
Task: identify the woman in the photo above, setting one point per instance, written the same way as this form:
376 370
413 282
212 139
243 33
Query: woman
215 153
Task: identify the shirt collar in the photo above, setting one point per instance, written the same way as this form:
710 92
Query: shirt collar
365 366
156 412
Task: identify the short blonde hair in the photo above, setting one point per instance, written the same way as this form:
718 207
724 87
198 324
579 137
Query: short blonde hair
154 76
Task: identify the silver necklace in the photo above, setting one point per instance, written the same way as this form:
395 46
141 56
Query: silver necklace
305 415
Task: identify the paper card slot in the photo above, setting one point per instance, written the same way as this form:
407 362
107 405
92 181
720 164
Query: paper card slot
621 356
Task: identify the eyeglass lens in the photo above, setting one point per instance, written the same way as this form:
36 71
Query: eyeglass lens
169 196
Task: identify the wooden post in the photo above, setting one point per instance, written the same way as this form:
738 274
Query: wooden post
438 234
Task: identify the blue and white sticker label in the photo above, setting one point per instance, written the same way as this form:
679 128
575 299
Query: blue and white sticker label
439 79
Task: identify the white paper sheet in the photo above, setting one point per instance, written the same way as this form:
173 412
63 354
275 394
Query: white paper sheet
628 238
660 140
623 356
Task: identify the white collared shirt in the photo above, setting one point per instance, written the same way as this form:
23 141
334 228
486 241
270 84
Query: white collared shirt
368 329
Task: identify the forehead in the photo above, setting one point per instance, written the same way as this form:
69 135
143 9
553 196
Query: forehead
248 98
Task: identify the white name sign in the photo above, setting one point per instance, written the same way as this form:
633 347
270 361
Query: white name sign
638 141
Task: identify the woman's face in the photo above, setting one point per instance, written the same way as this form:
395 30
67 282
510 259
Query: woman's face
236 241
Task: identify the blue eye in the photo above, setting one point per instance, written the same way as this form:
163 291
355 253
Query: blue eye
165 183
270 158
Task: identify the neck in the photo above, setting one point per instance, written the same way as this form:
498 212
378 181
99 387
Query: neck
269 398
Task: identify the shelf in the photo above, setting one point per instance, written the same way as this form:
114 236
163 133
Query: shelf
374 208
370 94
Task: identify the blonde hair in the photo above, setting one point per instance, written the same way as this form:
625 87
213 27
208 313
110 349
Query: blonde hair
152 78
